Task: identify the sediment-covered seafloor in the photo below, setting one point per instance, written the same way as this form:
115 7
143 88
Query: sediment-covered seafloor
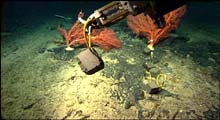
40 80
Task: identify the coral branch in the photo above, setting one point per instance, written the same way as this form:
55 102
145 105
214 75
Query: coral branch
144 25
107 40
104 38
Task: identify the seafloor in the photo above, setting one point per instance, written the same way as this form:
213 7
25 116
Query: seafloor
40 80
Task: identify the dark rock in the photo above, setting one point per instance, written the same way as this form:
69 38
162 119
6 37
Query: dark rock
152 88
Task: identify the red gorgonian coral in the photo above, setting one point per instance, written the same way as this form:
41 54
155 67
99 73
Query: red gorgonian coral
104 38
145 25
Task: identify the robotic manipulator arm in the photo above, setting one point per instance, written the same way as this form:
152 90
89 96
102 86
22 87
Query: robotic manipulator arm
111 13
117 10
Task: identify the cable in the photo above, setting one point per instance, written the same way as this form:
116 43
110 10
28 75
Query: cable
157 80
87 38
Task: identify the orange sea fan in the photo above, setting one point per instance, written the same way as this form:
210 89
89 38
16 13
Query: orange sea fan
145 25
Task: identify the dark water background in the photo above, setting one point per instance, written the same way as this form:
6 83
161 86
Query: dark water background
16 13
